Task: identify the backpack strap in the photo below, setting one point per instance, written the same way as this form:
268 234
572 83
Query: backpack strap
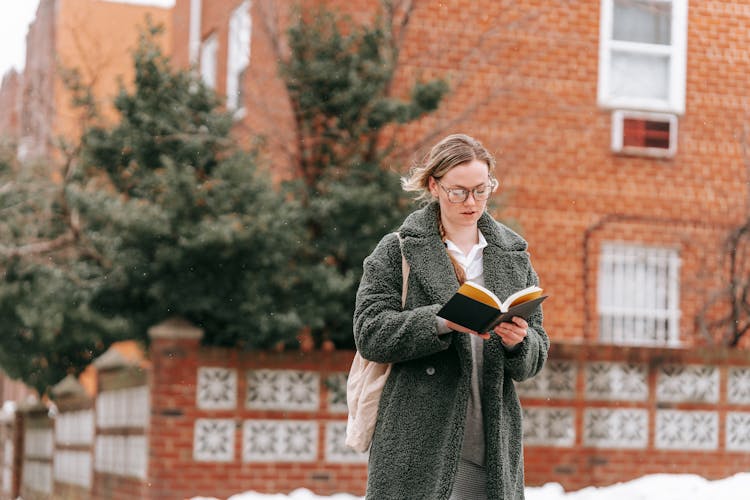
404 272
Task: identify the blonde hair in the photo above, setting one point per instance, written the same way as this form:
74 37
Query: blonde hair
452 151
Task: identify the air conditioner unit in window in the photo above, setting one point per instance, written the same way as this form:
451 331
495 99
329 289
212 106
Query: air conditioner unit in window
644 134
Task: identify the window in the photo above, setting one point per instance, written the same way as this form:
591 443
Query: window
209 50
644 134
639 295
238 55
642 54
194 30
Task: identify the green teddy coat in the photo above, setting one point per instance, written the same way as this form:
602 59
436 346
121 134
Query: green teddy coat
418 436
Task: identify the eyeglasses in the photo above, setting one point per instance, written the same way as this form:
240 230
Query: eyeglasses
460 195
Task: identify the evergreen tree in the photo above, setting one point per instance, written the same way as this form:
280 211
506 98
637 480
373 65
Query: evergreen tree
339 85
193 228
158 215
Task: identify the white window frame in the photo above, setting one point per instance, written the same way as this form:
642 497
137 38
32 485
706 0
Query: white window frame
629 299
209 60
618 118
238 55
194 33
677 52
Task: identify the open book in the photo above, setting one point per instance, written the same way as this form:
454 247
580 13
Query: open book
477 308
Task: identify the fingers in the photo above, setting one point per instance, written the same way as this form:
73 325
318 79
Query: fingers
512 333
458 328
520 322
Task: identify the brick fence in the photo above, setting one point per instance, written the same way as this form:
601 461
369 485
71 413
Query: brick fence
192 420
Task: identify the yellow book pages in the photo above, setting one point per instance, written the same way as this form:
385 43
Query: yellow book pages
480 294
527 297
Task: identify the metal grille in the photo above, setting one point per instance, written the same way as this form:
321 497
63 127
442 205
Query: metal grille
639 295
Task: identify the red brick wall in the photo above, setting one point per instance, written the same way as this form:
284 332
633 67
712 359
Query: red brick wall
9 101
13 390
38 100
173 472
96 38
524 80
668 378
594 416
585 464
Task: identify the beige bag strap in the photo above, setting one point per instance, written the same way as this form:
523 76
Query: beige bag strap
404 272
364 387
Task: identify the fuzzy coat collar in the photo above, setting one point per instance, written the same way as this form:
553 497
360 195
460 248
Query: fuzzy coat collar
425 252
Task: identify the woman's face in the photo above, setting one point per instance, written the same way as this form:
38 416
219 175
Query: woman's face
467 176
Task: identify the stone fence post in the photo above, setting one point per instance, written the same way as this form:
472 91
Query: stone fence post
174 361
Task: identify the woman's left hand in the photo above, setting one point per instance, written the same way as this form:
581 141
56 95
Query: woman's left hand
513 333
458 328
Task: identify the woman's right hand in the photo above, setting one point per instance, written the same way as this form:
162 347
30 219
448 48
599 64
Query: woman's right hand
458 328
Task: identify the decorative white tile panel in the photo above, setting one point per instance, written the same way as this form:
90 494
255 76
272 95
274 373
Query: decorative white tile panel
104 454
8 452
738 431
121 455
687 430
216 388
129 407
73 467
106 412
214 440
283 390
738 390
139 406
280 441
7 479
136 453
690 383
616 381
336 450
557 380
8 465
336 384
549 426
38 443
616 428
75 428
37 476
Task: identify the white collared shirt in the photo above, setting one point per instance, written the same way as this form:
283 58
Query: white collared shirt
473 265
473 449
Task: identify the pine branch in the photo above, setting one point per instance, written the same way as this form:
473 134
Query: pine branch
39 247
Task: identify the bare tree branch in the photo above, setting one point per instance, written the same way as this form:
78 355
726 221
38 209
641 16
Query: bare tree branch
39 247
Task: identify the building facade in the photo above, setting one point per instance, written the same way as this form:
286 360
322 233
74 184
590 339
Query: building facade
9 89
94 37
621 133
183 420
620 129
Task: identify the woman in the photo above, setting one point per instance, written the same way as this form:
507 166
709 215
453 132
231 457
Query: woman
431 441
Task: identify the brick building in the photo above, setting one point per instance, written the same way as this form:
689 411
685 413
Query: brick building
10 103
620 129
95 37
621 132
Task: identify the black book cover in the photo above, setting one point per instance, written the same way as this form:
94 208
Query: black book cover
480 317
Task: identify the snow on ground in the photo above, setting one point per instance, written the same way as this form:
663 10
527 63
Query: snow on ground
653 487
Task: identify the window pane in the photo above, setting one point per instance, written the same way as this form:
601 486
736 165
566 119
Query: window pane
638 295
639 76
642 21
208 68
238 52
